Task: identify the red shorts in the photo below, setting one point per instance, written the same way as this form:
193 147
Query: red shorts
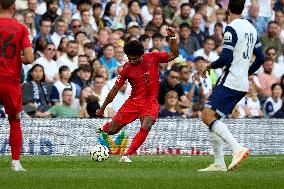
130 111
11 97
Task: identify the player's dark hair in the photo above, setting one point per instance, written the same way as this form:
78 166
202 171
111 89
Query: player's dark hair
63 68
134 48
236 6
29 75
5 4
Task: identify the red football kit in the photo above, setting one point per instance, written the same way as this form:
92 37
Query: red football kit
14 37
144 80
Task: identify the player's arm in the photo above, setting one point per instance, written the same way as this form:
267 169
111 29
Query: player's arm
174 53
28 56
43 114
111 95
259 58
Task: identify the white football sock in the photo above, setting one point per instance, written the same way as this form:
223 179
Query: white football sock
16 162
217 146
222 131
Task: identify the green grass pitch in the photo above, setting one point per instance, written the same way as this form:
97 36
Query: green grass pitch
165 172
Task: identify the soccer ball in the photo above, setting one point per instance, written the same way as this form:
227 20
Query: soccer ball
99 152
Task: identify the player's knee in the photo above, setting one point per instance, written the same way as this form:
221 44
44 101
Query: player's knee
14 117
206 116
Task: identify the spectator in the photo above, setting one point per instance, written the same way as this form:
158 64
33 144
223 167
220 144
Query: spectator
103 71
195 30
36 92
279 19
81 38
82 77
119 56
148 10
282 85
59 86
86 26
108 59
256 20
98 86
187 42
145 40
62 47
60 29
267 78
30 23
97 12
92 106
134 14
220 18
40 44
70 58
184 16
32 5
109 14
89 51
171 83
250 104
271 38
44 29
49 65
157 40
66 16
172 108
61 111
156 22
102 40
280 113
133 30
170 10
76 25
274 102
69 4
81 102
218 34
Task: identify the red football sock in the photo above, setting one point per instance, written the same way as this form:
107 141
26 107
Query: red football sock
15 138
137 141
105 127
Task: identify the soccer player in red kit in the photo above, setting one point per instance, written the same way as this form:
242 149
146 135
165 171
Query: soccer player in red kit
15 49
142 73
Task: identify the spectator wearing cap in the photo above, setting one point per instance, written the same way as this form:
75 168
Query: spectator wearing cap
108 59
187 42
133 30
170 10
97 12
49 65
184 16
119 29
109 14
133 14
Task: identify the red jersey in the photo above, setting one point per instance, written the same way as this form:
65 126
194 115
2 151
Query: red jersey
14 37
143 77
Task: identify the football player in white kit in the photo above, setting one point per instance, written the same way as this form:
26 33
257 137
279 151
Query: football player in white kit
240 43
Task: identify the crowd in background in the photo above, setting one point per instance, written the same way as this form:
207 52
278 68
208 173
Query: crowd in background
78 47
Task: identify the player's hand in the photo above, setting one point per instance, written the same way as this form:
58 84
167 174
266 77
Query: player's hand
171 31
100 112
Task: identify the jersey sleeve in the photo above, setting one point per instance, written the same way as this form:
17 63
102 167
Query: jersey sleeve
122 77
161 57
26 42
259 58
230 41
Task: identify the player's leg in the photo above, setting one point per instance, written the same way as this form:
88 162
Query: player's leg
219 107
140 137
12 101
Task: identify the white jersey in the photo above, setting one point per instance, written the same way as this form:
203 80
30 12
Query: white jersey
241 38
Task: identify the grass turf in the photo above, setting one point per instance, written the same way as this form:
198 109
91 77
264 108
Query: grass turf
165 172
